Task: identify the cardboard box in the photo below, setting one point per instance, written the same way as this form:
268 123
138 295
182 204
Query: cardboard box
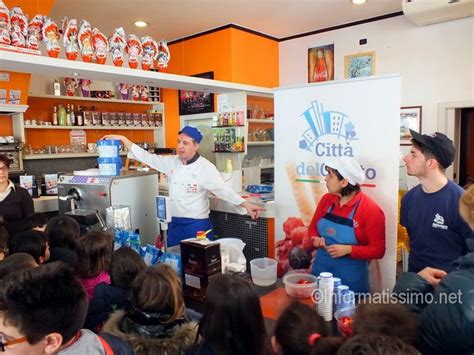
201 262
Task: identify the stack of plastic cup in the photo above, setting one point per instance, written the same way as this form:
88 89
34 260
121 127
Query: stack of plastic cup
326 289
109 157
345 297
337 282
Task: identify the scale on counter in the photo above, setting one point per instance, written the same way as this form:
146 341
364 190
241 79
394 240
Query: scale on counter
163 213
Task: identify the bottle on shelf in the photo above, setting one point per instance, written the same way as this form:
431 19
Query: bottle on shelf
73 116
57 88
68 115
62 115
55 115
80 116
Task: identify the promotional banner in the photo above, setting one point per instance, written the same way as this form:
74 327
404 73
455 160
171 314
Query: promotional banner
356 118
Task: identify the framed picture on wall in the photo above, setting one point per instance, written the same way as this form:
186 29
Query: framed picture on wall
359 65
192 102
410 118
321 63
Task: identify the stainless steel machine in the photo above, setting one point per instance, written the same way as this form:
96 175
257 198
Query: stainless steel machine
84 194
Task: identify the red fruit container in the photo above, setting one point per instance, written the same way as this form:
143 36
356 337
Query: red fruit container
299 285
344 319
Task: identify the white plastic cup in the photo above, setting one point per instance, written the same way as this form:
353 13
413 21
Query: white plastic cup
263 271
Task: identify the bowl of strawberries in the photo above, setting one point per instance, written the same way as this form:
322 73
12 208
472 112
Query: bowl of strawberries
300 285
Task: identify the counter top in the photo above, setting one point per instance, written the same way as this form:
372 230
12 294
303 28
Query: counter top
216 204
46 204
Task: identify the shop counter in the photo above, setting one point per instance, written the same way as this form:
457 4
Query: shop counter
46 204
216 204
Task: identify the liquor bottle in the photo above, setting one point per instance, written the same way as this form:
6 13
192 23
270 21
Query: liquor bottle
73 116
55 115
80 116
320 69
68 115
57 88
62 115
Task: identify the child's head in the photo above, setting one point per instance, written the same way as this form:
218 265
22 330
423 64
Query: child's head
46 306
233 319
126 264
94 251
63 231
16 262
3 243
36 221
158 289
394 320
31 242
300 330
376 344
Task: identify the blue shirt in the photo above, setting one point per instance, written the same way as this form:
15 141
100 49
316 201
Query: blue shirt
436 230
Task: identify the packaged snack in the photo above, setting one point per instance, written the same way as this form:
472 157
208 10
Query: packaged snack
121 119
4 24
18 27
134 50
106 119
34 32
101 46
50 35
150 48
70 40
117 44
129 119
163 56
85 41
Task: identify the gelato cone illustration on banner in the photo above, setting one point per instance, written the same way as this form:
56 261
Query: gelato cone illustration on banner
70 40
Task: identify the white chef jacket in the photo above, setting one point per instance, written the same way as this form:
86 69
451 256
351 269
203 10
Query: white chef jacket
189 184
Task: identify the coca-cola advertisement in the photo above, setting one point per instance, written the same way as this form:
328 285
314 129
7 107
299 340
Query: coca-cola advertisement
321 63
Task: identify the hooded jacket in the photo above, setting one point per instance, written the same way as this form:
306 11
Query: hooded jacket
447 318
147 335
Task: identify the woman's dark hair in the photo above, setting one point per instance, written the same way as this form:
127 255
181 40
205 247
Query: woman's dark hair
63 231
5 160
94 251
125 265
376 344
157 288
36 219
394 320
32 242
349 189
295 326
16 262
233 321
3 240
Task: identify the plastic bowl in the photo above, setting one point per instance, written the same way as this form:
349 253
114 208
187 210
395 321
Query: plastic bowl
302 290
345 327
264 271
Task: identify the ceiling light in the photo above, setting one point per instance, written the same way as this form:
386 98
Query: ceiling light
75 74
141 24
358 2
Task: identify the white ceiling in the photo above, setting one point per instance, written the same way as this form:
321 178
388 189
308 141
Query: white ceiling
175 19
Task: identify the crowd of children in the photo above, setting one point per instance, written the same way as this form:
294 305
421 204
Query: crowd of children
89 299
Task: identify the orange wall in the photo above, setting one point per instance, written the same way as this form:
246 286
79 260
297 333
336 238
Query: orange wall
21 81
233 55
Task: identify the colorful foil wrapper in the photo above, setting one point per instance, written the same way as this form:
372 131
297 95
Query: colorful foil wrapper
124 90
71 85
50 35
85 42
85 87
135 92
117 44
18 27
34 36
150 48
4 24
101 46
134 51
144 93
163 55
70 40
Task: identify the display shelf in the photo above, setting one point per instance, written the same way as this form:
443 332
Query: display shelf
92 99
9 109
271 166
260 143
240 126
56 67
266 120
114 128
63 156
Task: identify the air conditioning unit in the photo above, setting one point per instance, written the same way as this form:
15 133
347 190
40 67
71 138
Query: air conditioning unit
426 12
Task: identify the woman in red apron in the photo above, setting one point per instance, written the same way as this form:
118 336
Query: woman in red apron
348 227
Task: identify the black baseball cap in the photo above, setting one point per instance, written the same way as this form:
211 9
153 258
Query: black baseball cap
437 143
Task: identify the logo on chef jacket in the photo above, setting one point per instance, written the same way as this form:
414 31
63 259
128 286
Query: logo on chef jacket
438 222
331 231
192 188
334 126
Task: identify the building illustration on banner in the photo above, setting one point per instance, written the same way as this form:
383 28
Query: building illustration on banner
322 123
